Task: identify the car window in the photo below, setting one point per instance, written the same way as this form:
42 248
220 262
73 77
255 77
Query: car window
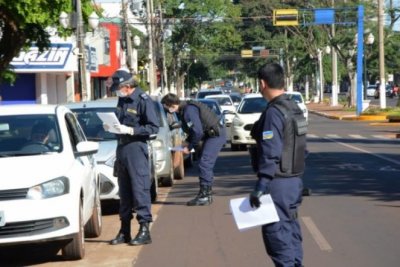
223 101
29 134
297 98
203 94
92 125
160 112
252 105
236 98
76 133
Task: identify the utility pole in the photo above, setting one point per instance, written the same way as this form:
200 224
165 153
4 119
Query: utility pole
80 35
151 74
164 78
382 82
335 87
128 39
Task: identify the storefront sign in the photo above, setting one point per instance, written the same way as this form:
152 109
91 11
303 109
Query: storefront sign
59 57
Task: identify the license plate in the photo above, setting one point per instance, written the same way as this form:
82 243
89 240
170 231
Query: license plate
2 219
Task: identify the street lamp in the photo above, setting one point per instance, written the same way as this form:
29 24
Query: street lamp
136 43
64 20
369 41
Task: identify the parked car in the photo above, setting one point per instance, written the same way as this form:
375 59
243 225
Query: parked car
236 98
226 104
298 98
371 90
50 187
248 111
86 112
204 92
169 164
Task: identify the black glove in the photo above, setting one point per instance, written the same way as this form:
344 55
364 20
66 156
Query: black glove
255 199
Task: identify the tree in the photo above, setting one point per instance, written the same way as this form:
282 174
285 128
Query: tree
24 22
201 31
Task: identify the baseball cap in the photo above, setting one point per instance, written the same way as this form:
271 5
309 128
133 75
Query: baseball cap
120 77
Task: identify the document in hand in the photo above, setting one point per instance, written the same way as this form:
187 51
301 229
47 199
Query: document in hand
247 217
110 119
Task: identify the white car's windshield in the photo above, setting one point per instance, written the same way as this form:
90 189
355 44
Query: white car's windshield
29 135
252 105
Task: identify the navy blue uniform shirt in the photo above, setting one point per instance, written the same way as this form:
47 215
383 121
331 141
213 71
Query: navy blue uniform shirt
269 137
137 110
191 116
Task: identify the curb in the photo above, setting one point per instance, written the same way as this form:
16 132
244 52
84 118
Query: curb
352 117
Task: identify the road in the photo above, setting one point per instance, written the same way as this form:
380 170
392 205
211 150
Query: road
351 218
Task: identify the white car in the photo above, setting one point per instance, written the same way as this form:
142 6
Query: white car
248 111
86 112
226 104
298 98
49 189
371 90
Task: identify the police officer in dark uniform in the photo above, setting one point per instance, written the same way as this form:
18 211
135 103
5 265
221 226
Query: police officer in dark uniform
137 115
203 126
280 134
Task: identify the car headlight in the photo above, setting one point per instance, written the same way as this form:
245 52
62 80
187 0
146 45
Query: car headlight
53 188
237 121
157 144
110 162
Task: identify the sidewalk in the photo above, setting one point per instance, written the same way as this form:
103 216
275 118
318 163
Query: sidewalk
339 113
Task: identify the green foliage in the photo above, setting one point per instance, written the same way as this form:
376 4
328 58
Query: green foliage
24 22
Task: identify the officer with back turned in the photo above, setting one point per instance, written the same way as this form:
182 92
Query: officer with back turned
280 134
202 125
137 115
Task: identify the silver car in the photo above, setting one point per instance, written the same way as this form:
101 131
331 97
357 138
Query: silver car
86 112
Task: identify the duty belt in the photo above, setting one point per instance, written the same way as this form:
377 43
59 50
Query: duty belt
126 139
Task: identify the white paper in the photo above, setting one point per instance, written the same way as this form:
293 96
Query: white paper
247 217
110 119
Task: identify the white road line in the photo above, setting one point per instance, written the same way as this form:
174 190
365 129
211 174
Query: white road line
380 136
316 234
366 151
312 136
333 136
357 136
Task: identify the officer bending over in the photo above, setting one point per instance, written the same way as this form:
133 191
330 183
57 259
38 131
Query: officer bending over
202 126
280 134
137 115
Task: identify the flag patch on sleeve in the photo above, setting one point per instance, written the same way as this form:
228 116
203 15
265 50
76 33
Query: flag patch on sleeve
267 135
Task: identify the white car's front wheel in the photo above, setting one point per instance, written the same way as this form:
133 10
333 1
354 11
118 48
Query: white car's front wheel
75 249
94 225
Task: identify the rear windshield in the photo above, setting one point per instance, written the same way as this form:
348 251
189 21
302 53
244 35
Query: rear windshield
252 105
203 94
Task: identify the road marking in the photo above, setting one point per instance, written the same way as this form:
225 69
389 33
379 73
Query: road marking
316 234
357 136
312 136
333 136
366 151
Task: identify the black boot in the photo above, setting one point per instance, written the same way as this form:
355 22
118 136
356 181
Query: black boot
143 236
203 198
124 235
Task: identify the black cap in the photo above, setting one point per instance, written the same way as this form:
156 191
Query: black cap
120 77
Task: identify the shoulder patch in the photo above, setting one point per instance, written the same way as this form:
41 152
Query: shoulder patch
267 135
144 96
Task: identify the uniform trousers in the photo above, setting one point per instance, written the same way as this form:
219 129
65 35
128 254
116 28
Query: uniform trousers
211 148
283 239
134 181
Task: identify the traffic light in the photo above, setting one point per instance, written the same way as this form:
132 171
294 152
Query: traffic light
286 17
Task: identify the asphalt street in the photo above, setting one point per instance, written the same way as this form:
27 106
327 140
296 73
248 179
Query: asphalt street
350 219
